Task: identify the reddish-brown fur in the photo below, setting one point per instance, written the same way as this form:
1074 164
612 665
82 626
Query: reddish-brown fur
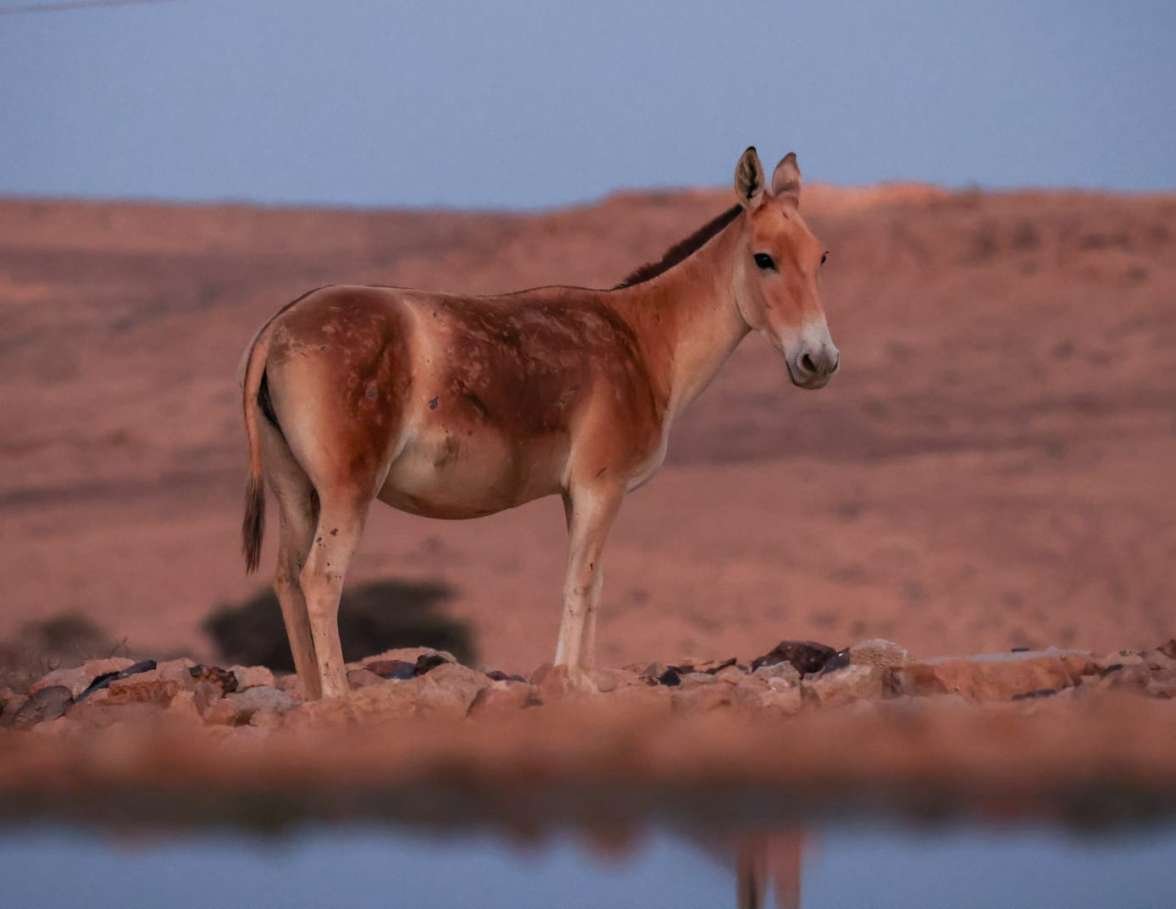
459 406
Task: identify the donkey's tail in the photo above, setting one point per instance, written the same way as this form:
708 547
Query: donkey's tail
251 375
253 525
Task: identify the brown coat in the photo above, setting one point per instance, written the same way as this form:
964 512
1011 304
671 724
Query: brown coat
459 406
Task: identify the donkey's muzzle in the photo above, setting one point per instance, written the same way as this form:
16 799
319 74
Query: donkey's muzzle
813 367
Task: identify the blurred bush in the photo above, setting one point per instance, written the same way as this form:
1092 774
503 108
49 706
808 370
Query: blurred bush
372 618
41 646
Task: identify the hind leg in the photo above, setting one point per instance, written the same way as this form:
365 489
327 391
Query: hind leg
336 380
340 524
298 512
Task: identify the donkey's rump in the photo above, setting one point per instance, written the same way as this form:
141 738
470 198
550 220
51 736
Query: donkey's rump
338 374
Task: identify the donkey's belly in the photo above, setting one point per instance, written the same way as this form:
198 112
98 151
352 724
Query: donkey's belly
463 474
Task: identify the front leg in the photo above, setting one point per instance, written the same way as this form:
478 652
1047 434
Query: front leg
590 511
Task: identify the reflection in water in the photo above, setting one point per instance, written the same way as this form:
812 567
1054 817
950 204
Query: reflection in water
769 864
878 866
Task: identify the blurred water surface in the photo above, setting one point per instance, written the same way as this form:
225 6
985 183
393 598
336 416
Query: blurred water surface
875 865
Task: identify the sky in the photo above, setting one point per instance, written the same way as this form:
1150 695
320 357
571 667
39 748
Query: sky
517 104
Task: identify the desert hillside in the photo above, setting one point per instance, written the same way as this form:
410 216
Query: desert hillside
992 467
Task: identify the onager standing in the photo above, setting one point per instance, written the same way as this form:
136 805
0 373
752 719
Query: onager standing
456 406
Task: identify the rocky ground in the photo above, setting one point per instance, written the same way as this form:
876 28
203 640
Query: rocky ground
422 736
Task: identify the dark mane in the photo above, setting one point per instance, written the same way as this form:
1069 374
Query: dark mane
681 249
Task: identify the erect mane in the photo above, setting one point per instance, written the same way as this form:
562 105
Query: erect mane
681 249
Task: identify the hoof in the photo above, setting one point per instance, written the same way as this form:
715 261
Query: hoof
555 682
335 688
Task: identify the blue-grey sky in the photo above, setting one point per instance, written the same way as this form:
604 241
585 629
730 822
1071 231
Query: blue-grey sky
521 104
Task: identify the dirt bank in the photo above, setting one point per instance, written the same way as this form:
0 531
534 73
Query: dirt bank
806 733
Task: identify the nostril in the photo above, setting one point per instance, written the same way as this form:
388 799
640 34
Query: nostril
806 363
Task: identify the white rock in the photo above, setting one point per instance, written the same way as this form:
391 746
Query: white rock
78 678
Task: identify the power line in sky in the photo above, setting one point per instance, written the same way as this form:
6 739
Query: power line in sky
69 5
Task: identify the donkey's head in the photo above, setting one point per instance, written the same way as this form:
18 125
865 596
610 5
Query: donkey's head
776 287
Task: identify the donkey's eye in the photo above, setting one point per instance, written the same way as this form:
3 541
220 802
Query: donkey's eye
764 261
824 256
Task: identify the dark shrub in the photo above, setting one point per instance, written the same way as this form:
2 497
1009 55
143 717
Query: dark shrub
372 618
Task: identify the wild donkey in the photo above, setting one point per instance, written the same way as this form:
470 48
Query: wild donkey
460 406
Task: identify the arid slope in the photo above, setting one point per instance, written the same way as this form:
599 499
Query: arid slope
993 466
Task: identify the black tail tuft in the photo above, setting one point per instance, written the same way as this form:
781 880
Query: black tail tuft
253 526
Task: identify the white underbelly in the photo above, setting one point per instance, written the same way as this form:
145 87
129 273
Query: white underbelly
450 475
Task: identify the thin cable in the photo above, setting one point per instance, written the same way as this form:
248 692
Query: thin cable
69 5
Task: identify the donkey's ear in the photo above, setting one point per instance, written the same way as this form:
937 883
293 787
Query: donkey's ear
749 179
786 179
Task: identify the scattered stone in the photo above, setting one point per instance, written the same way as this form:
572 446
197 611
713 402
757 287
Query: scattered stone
498 675
1113 662
651 672
205 694
77 678
178 670
703 698
714 666
10 702
136 691
370 705
675 673
99 713
219 679
239 707
1147 676
748 695
671 677
503 697
427 661
805 656
1161 688
252 677
183 707
46 703
785 671
554 683
878 652
399 670
103 680
431 684
731 673
782 697
995 677
1039 693
693 679
291 684
1168 648
424 658
359 678
403 669
844 686
451 688
919 680
608 680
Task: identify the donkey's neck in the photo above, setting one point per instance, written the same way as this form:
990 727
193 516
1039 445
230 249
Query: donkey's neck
687 320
